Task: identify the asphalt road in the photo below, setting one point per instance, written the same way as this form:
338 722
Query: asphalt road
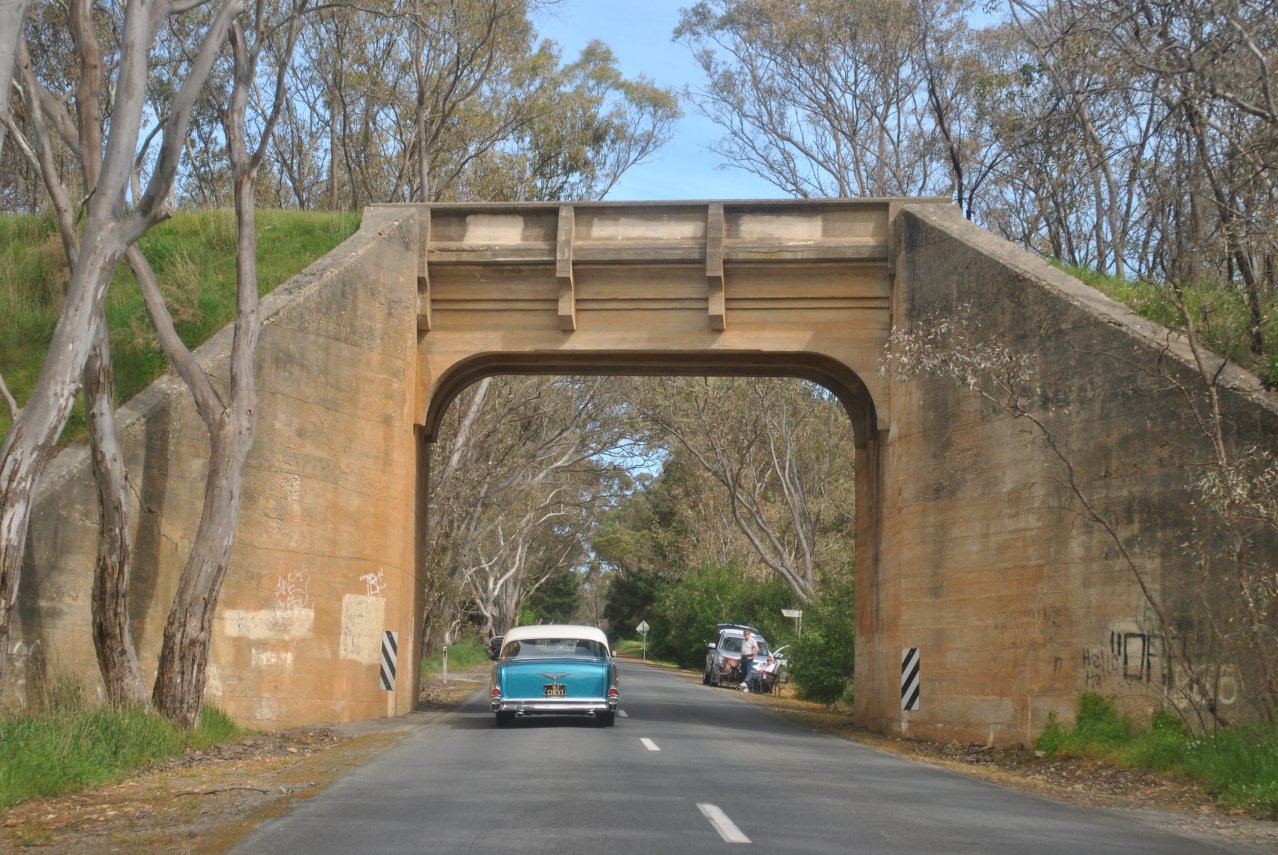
688 769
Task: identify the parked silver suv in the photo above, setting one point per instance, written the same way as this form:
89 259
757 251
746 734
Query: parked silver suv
723 655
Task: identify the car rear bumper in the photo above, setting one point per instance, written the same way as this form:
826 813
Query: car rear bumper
555 706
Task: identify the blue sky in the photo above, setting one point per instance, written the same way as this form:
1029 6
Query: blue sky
639 31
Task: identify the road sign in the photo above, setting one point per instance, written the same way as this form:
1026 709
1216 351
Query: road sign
643 627
797 614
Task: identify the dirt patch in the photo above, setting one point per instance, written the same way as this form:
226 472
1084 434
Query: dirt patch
206 801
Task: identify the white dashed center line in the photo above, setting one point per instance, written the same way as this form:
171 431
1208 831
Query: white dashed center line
726 828
649 744
623 713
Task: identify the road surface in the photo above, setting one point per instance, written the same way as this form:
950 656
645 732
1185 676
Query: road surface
687 769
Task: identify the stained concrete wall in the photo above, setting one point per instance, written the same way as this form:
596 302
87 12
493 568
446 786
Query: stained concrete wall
323 562
984 561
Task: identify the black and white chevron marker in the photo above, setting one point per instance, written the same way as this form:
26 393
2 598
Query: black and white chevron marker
390 647
909 678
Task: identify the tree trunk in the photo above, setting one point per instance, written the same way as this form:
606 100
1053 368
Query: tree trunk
112 637
182 670
11 14
33 433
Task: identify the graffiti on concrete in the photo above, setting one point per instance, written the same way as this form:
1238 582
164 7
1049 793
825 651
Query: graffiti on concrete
1132 655
293 592
376 582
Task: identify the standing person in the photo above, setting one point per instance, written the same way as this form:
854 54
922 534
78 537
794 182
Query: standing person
749 647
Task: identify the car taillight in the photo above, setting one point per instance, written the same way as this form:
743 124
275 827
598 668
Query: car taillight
612 693
496 693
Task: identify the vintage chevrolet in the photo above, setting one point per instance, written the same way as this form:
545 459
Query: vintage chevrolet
558 669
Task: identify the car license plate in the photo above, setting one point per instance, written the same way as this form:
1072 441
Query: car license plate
556 690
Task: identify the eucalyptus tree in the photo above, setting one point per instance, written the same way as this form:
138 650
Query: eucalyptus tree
781 453
79 127
12 13
108 229
270 35
523 471
837 97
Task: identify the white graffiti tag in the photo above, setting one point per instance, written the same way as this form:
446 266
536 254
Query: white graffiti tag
375 581
293 592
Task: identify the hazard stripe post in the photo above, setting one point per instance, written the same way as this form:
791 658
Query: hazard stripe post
910 678
390 647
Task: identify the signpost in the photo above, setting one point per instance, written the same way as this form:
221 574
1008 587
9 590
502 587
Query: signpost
643 630
797 614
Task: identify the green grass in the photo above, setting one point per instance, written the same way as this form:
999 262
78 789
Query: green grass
1220 315
1239 764
73 745
462 656
193 255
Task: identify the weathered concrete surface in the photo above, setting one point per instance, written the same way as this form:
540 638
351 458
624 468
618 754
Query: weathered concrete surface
985 561
967 547
323 562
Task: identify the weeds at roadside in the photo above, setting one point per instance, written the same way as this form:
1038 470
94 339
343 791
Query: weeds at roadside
74 745
1239 764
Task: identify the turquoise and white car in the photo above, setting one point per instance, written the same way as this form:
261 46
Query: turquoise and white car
557 669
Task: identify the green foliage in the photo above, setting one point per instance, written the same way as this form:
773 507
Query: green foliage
632 597
557 598
1238 764
463 655
74 745
822 660
686 611
1221 317
194 257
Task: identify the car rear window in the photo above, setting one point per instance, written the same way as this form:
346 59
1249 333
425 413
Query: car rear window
732 644
541 648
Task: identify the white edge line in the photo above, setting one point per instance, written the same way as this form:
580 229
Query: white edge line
726 828
649 744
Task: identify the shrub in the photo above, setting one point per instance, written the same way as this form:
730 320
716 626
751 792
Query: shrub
685 613
822 661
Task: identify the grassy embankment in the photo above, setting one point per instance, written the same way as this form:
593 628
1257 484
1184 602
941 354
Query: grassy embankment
194 257
1239 764
1220 315
74 744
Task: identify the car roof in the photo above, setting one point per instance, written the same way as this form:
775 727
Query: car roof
556 630
736 629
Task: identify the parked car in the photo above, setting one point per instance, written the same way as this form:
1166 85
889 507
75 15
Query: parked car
494 646
559 669
723 655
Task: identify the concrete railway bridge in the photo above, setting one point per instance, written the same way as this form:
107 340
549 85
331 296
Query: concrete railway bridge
968 549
